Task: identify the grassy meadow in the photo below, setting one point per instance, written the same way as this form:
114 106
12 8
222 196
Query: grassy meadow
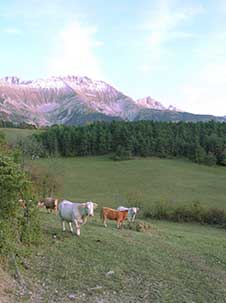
140 181
14 135
170 262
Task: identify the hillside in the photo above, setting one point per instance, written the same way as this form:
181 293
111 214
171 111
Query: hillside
79 100
169 262
142 181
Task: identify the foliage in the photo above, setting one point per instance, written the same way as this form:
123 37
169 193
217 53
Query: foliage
31 147
193 212
121 154
17 225
22 125
201 142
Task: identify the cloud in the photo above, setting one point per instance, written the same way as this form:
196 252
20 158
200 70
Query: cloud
206 92
74 52
165 19
165 24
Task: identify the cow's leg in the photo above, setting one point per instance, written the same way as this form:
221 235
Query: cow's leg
118 224
70 225
63 226
77 228
129 224
105 221
56 206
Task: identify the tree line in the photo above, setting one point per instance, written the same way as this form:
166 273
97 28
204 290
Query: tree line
9 124
199 142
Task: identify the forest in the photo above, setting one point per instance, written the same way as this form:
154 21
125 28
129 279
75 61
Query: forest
200 142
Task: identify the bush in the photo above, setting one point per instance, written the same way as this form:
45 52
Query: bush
186 213
210 159
17 225
160 210
32 148
215 216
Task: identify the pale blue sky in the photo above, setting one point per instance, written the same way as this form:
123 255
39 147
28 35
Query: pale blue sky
174 51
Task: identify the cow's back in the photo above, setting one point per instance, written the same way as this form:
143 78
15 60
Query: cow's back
114 214
69 211
66 210
49 203
122 208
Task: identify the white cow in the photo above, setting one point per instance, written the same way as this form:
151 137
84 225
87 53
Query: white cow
76 213
132 212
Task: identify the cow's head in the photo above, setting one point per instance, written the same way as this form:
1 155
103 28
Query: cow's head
90 208
132 213
95 205
137 209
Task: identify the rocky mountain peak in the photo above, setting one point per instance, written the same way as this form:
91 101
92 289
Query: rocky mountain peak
149 102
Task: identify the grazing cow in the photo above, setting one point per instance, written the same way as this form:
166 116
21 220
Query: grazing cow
132 212
22 203
76 213
113 214
50 204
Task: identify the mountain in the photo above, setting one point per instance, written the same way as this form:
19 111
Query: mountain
151 103
78 100
62 100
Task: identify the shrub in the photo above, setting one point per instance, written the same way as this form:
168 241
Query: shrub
32 148
15 225
186 213
215 216
159 210
210 159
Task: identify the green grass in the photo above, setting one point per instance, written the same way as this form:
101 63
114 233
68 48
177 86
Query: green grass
169 263
139 181
14 135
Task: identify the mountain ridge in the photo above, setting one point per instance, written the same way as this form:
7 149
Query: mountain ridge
79 100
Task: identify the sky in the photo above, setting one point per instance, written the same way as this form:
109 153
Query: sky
171 50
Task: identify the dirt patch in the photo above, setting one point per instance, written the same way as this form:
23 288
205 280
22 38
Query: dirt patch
8 287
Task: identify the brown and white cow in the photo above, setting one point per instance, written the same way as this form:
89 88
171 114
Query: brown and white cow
132 212
50 203
113 214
